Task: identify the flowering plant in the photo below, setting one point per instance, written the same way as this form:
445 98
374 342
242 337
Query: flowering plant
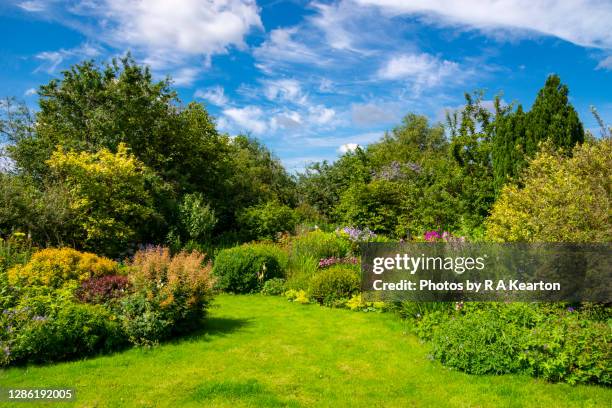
326 262
356 234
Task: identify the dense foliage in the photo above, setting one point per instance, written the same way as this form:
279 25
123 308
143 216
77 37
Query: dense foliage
549 341
246 268
64 304
112 162
111 159
333 284
564 199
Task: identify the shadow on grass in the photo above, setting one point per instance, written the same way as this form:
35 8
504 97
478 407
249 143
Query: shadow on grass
210 328
213 327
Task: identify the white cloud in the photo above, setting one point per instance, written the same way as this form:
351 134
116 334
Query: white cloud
281 48
248 118
30 92
286 120
605 64
52 60
331 19
185 76
169 30
33 6
326 85
321 115
214 95
348 147
173 36
284 89
582 22
420 69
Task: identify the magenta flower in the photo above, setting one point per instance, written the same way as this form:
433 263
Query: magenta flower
432 236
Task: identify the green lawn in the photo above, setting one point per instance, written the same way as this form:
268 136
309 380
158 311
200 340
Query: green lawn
263 351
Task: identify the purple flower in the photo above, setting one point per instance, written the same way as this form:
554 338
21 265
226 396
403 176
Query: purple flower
571 309
357 235
326 262
432 236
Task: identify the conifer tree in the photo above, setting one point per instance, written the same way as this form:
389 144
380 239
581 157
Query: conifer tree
553 118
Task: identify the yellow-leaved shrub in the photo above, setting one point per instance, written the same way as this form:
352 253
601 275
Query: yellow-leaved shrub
55 267
563 199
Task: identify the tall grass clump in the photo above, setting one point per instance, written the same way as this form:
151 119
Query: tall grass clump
305 252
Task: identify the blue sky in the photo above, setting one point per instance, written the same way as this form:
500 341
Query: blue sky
312 79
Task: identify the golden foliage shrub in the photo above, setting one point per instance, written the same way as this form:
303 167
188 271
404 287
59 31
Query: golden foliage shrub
563 199
55 267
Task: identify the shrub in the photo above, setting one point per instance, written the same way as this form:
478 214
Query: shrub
305 252
357 303
104 289
570 348
274 250
477 343
300 270
563 199
333 284
51 328
265 221
17 249
109 196
197 218
55 267
319 245
244 269
327 262
171 294
143 319
274 287
543 340
299 296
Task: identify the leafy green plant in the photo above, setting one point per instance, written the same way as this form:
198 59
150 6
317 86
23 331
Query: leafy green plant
563 199
551 341
244 269
319 245
334 283
267 220
196 217
51 327
274 287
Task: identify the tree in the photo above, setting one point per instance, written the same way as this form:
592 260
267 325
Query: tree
411 142
43 214
376 205
564 199
470 148
108 196
265 221
256 177
509 143
517 135
322 184
553 118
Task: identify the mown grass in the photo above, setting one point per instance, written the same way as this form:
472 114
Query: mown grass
264 352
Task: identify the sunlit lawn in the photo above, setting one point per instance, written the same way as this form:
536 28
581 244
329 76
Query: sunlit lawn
263 351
